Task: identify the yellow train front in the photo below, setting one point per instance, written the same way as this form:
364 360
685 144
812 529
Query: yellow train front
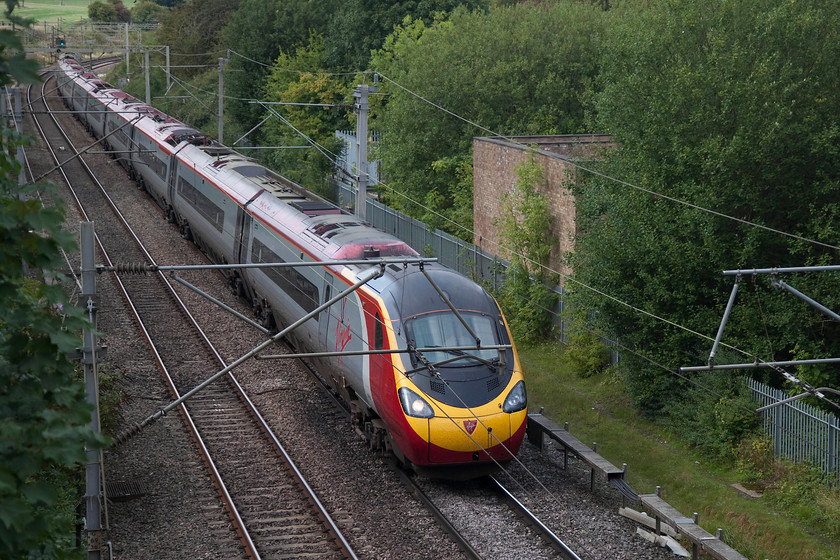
455 404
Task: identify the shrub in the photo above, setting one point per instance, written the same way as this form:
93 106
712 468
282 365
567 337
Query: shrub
587 353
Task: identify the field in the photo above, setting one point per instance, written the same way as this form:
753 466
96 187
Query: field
69 11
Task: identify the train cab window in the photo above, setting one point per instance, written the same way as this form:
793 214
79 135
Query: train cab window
441 330
378 333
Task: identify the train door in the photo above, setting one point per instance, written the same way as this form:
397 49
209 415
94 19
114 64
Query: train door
173 178
132 149
243 280
381 375
241 235
324 319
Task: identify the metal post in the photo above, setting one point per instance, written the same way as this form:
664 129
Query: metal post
168 77
148 84
813 303
93 490
127 71
695 548
221 102
834 463
19 127
723 323
362 108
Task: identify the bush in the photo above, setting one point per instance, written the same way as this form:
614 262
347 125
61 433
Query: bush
527 304
715 414
755 460
587 353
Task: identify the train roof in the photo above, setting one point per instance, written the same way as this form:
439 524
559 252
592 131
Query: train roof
310 219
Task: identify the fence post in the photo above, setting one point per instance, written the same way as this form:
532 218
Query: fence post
833 436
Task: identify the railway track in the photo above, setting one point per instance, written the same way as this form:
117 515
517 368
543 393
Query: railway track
410 532
495 505
279 516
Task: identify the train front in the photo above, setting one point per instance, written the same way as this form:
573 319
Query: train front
462 398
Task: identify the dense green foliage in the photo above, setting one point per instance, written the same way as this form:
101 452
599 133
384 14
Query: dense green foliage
43 412
111 11
146 11
261 32
731 107
257 33
516 70
525 224
192 31
359 27
292 80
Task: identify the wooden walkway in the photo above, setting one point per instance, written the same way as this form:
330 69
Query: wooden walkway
701 540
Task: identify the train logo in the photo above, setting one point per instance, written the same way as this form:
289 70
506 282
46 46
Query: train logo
470 426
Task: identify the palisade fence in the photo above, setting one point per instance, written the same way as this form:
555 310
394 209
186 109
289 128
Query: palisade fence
455 253
799 431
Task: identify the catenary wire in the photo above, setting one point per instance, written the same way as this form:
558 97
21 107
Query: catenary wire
577 165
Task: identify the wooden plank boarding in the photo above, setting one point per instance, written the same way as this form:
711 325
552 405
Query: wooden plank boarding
686 526
539 425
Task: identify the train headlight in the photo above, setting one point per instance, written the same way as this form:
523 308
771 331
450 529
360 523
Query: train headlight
516 399
414 405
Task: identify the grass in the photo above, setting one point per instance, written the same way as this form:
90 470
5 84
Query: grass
69 11
49 13
598 411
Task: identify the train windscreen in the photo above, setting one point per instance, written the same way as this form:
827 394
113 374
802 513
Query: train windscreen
442 330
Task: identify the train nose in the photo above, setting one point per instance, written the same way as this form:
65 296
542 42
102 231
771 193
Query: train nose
466 439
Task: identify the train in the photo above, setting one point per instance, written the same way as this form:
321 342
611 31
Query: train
421 354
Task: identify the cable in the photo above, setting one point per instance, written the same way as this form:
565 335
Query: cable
301 72
603 175
332 157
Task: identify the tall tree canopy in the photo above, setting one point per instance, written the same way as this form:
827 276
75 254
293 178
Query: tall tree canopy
732 106
359 27
193 28
302 79
516 70
257 33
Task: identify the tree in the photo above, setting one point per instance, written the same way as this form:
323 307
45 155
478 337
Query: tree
102 11
193 28
359 27
257 32
43 413
146 11
731 107
515 70
294 79
123 13
525 226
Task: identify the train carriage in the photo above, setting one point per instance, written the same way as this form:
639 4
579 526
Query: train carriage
451 403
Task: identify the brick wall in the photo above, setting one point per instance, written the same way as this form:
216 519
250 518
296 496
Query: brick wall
494 160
